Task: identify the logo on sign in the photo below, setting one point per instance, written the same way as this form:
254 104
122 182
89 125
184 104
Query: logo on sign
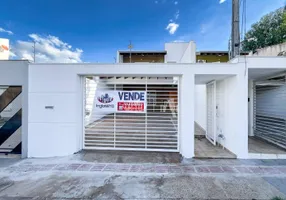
105 98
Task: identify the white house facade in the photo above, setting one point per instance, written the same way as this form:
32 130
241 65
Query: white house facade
67 108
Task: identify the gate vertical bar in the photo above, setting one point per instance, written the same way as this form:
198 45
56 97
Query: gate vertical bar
83 85
146 117
114 118
178 112
254 108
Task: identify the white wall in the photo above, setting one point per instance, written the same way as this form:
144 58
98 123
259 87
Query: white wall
15 73
221 109
180 52
187 115
250 108
189 55
54 132
231 96
175 51
201 105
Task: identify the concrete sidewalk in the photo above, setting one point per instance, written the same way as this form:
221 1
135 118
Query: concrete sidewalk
73 178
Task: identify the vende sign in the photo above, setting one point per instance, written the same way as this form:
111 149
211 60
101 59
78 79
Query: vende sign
121 101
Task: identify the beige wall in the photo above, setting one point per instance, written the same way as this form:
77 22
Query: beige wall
271 50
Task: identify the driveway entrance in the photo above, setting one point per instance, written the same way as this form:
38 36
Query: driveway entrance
156 129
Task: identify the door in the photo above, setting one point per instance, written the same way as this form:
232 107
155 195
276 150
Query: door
211 112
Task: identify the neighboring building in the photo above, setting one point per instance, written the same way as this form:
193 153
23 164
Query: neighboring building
146 106
142 56
212 56
274 50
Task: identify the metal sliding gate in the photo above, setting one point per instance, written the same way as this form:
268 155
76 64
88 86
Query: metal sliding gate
10 119
211 112
154 130
270 110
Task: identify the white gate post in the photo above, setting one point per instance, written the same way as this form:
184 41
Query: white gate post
187 115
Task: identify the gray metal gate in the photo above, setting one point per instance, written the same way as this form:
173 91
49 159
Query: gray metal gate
10 119
155 130
270 110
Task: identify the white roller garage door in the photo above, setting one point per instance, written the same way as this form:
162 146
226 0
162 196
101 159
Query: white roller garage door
153 130
270 110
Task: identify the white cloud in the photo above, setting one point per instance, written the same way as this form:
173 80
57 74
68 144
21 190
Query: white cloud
222 1
48 49
176 2
178 41
177 14
6 31
202 29
172 27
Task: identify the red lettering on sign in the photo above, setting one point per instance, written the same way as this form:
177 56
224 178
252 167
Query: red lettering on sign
130 106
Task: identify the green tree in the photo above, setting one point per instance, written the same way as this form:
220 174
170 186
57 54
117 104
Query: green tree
270 30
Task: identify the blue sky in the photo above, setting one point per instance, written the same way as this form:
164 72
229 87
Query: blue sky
93 30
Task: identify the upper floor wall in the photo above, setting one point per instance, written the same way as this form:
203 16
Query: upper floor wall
175 52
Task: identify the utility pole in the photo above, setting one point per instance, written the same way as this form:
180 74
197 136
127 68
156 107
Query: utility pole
235 39
130 48
34 51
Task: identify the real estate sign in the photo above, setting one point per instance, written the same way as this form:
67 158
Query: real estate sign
121 101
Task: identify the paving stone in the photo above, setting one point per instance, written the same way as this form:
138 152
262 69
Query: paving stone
257 170
243 169
188 169
28 169
61 167
228 169
271 170
215 169
154 168
147 168
135 168
123 168
98 167
202 169
85 167
111 167
49 166
162 169
175 169
282 169
73 166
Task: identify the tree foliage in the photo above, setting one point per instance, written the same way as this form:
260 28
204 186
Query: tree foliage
270 30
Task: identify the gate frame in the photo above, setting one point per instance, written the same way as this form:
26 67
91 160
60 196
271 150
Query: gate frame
83 91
